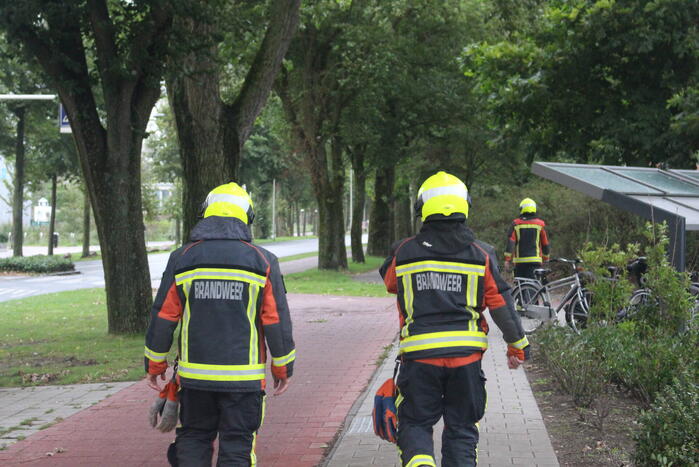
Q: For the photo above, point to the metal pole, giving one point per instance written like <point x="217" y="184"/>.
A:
<point x="27" y="97"/>
<point x="274" y="208"/>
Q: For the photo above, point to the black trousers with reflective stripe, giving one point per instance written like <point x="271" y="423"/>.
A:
<point x="431" y="392"/>
<point x="233" y="416"/>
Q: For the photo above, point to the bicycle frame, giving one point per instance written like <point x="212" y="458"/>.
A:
<point x="546" y="312"/>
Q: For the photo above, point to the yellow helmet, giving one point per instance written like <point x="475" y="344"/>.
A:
<point x="444" y="194"/>
<point x="229" y="200"/>
<point x="527" y="206"/>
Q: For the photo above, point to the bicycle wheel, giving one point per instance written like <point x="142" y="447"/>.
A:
<point x="639" y="299"/>
<point x="578" y="311"/>
<point x="526" y="294"/>
<point x="523" y="294"/>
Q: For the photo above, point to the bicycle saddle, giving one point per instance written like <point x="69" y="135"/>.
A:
<point x="541" y="273"/>
<point x="612" y="270"/>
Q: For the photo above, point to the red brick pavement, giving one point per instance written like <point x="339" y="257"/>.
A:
<point x="338" y="340"/>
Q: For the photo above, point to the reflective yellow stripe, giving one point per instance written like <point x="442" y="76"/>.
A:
<point x="408" y="300"/>
<point x="221" y="372"/>
<point x="520" y="344"/>
<point x="220" y="274"/>
<point x="472" y="292"/>
<point x="421" y="459"/>
<point x="440" y="340"/>
<point x="528" y="259"/>
<point x="399" y="399"/>
<point x="286" y="359"/>
<point x="184" y="341"/>
<point x="253" y="456"/>
<point x="440" y="266"/>
<point x="155" y="356"/>
<point x="252" y="315"/>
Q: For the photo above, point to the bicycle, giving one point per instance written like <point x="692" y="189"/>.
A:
<point x="643" y="297"/>
<point x="532" y="297"/>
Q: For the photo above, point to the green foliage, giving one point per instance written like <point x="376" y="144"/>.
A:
<point x="572" y="219"/>
<point x="591" y="80"/>
<point x="669" y="434"/>
<point x="672" y="302"/>
<point x="36" y="264"/>
<point x="609" y="296"/>
<point x="575" y="364"/>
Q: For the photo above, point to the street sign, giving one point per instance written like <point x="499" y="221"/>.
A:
<point x="63" y="122"/>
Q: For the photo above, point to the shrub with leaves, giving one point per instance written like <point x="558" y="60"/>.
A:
<point x="609" y="295"/>
<point x="669" y="434"/>
<point x="36" y="264"/>
<point x="669" y="310"/>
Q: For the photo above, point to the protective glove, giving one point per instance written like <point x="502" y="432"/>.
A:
<point x="167" y="406"/>
<point x="521" y="354"/>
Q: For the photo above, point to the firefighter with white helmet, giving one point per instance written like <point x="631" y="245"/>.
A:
<point x="229" y="299"/>
<point x="445" y="279"/>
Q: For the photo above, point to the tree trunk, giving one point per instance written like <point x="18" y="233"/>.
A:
<point x="86" y="225"/>
<point x="380" y="230"/>
<point x="178" y="231"/>
<point x="18" y="194"/>
<point x="52" y="221"/>
<point x="332" y="253"/>
<point x="119" y="219"/>
<point x="403" y="217"/>
<point x="359" y="186"/>
<point x="198" y="110"/>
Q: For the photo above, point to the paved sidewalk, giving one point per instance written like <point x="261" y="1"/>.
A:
<point x="512" y="431"/>
<point x="338" y="339"/>
<point x="25" y="411"/>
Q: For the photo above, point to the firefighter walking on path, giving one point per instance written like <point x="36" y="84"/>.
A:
<point x="527" y="241"/>
<point x="229" y="298"/>
<point x="445" y="279"/>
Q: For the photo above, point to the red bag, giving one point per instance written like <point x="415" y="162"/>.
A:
<point x="385" y="414"/>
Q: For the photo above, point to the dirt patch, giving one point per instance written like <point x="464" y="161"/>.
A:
<point x="573" y="432"/>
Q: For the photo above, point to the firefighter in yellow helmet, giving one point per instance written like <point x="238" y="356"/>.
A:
<point x="445" y="279"/>
<point x="229" y="297"/>
<point x="527" y="242"/>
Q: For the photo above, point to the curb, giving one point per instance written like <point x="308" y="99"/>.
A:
<point x="357" y="404"/>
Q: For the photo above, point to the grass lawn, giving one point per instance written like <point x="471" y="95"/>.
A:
<point x="262" y="241"/>
<point x="335" y="282"/>
<point x="62" y="338"/>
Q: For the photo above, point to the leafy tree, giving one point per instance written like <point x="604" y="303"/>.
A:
<point x="591" y="81"/>
<point x="105" y="59"/>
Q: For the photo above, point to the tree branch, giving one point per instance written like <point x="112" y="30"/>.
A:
<point x="284" y="17"/>
<point x="104" y="34"/>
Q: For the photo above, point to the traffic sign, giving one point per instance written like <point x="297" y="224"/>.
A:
<point x="63" y="122"/>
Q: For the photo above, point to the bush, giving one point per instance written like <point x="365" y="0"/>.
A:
<point x="36" y="264"/>
<point x="669" y="434"/>
<point x="574" y="362"/>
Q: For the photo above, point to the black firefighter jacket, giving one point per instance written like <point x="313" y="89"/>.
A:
<point x="445" y="279"/>
<point x="229" y="297"/>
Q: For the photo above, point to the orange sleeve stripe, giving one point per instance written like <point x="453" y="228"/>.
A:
<point x="279" y="372"/>
<point x="269" y="314"/>
<point x="492" y="297"/>
<point x="172" y="307"/>
<point x="390" y="278"/>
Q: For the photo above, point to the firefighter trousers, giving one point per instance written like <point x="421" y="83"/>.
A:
<point x="526" y="269"/>
<point x="234" y="416"/>
<point x="427" y="393"/>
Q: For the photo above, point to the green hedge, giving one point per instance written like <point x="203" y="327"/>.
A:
<point x="669" y="434"/>
<point x="36" y="264"/>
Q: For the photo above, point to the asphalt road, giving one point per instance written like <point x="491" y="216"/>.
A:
<point x="90" y="273"/>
